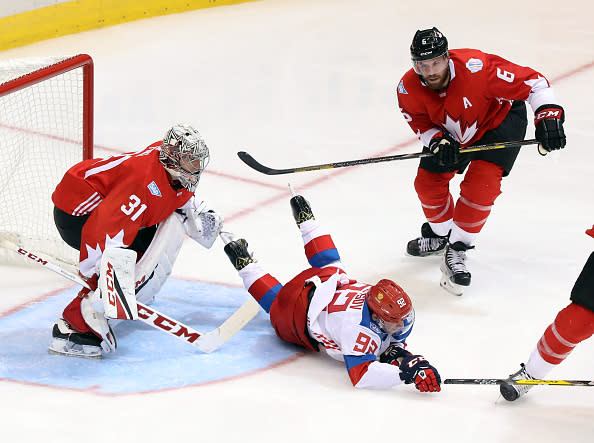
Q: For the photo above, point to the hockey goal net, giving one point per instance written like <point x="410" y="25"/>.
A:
<point x="46" y="126"/>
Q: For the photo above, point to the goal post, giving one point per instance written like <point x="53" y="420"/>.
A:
<point x="46" y="126"/>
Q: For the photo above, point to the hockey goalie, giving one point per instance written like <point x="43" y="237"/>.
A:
<point x="128" y="215"/>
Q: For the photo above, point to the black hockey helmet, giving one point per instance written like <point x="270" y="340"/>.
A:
<point x="428" y="44"/>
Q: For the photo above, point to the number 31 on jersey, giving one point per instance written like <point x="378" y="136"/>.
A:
<point x="134" y="207"/>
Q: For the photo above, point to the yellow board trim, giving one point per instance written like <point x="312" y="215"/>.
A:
<point x="83" y="15"/>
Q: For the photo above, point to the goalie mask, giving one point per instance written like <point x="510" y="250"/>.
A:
<point x="184" y="155"/>
<point x="392" y="307"/>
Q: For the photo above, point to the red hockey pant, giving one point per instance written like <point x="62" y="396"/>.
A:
<point x="478" y="191"/>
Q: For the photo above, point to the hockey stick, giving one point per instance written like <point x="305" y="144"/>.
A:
<point x="499" y="381"/>
<point x="207" y="342"/>
<point x="254" y="164"/>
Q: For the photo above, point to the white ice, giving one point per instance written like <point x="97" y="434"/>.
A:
<point x="300" y="82"/>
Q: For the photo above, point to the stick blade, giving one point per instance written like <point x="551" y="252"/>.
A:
<point x="213" y="340"/>
<point x="254" y="164"/>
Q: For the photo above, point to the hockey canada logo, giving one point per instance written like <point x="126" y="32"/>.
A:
<point x="154" y="189"/>
<point x="401" y="89"/>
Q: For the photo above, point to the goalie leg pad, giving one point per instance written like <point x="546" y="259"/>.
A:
<point x="155" y="266"/>
<point x="117" y="285"/>
<point x="97" y="322"/>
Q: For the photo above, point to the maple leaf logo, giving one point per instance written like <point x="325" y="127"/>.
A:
<point x="90" y="265"/>
<point x="454" y="128"/>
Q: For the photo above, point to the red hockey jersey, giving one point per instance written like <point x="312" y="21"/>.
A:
<point x="478" y="98"/>
<point x="122" y="194"/>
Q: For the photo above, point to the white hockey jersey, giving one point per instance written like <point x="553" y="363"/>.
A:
<point x="338" y="316"/>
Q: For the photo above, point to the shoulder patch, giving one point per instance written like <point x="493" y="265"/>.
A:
<point x="474" y="65"/>
<point x="401" y="89"/>
<point x="154" y="189"/>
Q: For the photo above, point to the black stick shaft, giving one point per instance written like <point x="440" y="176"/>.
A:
<point x="254" y="164"/>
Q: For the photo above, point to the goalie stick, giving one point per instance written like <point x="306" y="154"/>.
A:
<point x="500" y="381"/>
<point x="205" y="342"/>
<point x="254" y="164"/>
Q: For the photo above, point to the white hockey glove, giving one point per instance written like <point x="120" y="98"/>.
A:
<point x="114" y="296"/>
<point x="116" y="283"/>
<point x="202" y="225"/>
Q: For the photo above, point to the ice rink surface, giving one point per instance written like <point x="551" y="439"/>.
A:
<point x="300" y="82"/>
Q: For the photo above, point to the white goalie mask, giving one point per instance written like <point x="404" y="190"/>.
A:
<point x="184" y="155"/>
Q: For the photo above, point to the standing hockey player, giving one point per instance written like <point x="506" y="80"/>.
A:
<point x="139" y="201"/>
<point x="461" y="98"/>
<point x="364" y="325"/>
<point x="573" y="324"/>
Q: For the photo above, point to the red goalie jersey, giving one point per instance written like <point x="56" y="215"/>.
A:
<point x="134" y="192"/>
<point x="481" y="90"/>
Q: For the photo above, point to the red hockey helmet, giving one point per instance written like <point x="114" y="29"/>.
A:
<point x="390" y="303"/>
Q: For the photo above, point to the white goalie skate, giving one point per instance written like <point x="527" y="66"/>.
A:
<point x="67" y="341"/>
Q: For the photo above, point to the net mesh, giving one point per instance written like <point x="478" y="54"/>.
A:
<point x="41" y="136"/>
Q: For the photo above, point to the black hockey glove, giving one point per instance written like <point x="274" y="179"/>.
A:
<point x="415" y="369"/>
<point x="392" y="354"/>
<point x="548" y="121"/>
<point x="445" y="150"/>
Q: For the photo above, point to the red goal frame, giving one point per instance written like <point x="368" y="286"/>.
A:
<point x="82" y="60"/>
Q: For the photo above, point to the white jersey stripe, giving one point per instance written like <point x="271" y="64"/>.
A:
<point x="83" y="208"/>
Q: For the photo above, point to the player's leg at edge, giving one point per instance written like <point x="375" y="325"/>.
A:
<point x="572" y="325"/>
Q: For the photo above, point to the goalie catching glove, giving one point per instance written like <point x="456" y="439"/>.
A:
<point x="202" y="224"/>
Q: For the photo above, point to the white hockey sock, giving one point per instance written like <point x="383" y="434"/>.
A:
<point x="536" y="366"/>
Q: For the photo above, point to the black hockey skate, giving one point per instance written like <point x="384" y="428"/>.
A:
<point x="301" y="209"/>
<point x="429" y="243"/>
<point x="511" y="391"/>
<point x="237" y="252"/>
<point x="68" y="341"/>
<point x="455" y="277"/>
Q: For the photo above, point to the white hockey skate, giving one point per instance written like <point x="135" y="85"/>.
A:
<point x="454" y="275"/>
